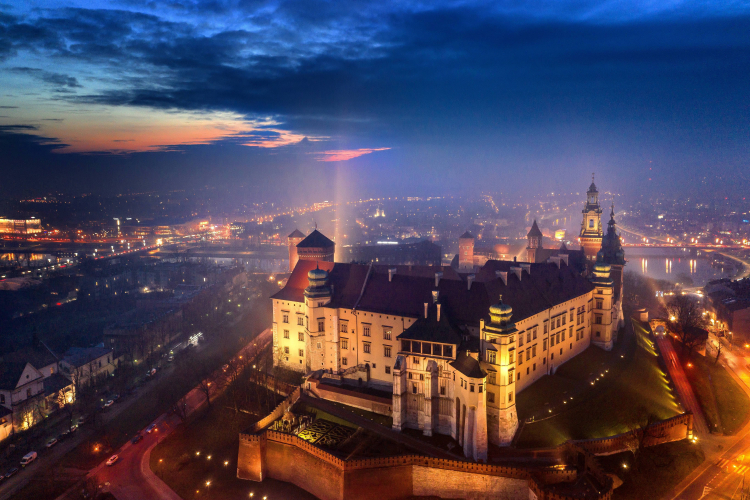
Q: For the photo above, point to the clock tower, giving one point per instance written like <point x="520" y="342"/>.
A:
<point x="591" y="227"/>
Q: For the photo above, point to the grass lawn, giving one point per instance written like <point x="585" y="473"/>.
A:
<point x="722" y="400"/>
<point x="634" y="385"/>
<point x="182" y="459"/>
<point x="660" y="469"/>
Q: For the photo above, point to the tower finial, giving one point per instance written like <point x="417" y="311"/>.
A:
<point x="501" y="298"/>
<point x="592" y="176"/>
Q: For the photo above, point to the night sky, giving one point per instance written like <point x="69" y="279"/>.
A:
<point x="401" y="97"/>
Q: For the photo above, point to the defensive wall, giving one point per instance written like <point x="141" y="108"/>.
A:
<point x="286" y="457"/>
<point x="363" y="401"/>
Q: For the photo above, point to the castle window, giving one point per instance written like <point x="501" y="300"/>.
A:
<point x="558" y="322"/>
<point x="301" y="353"/>
<point x="437" y="350"/>
<point x="409" y="374"/>
<point x="528" y="337"/>
<point x="491" y="357"/>
<point x="343" y="361"/>
<point x="405" y="345"/>
<point x="519" y="376"/>
<point x="285" y="318"/>
<point x="533" y="350"/>
<point x="528" y="354"/>
<point x="300" y="336"/>
<point x="546" y="329"/>
<point x="319" y="345"/>
<point x="591" y="223"/>
<point x="520" y="358"/>
<point x="510" y="397"/>
<point x="562" y="333"/>
<point x="534" y="333"/>
<point x="421" y="376"/>
<point x="491" y="378"/>
<point x="527" y="370"/>
<point x="415" y="360"/>
<point x="387" y="351"/>
<point x="563" y="320"/>
<point x="510" y="376"/>
<point x="387" y="333"/>
<point x="490" y="397"/>
<point x="414" y="388"/>
<point x="344" y="344"/>
<point x="520" y="340"/>
<point x="471" y="387"/>
<point x="544" y="345"/>
<point x="598" y="334"/>
<point x="426" y="348"/>
<point x="366" y="330"/>
<point x="511" y="355"/>
<point x="2" y="399"/>
<point x="343" y="328"/>
<point x="286" y="350"/>
<point x="598" y="321"/>
<point x="286" y="334"/>
<point x="442" y="388"/>
<point x="300" y="321"/>
<point x="366" y="347"/>
<point x="321" y="325"/>
<point x="552" y="341"/>
<point x="448" y="351"/>
<point x="599" y="304"/>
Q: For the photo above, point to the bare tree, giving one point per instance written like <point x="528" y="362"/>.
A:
<point x="719" y="347"/>
<point x="182" y="409"/>
<point x="643" y="432"/>
<point x="686" y="320"/>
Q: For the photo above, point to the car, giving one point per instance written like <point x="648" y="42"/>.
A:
<point x="225" y="367"/>
<point x="64" y="435"/>
<point x="11" y="472"/>
<point x="115" y="397"/>
<point x="28" y="458"/>
<point x="81" y="421"/>
<point x="136" y="438"/>
<point x="74" y="428"/>
<point x="151" y="428"/>
<point x="112" y="460"/>
<point x="51" y="442"/>
<point x="108" y="403"/>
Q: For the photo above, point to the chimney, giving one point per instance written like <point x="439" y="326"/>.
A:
<point x="438" y="314"/>
<point x="425" y="309"/>
<point x="503" y="275"/>
<point x="515" y="258"/>
<point x="469" y="280"/>
<point x="391" y="272"/>
<point x="435" y="296"/>
<point x="438" y="275"/>
<point x="518" y="271"/>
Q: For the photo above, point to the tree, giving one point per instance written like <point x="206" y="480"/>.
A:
<point x="686" y="320"/>
<point x="182" y="409"/>
<point x="719" y="347"/>
<point x="642" y="431"/>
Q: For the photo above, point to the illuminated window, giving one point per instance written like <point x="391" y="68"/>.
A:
<point x="300" y="321"/>
<point x="286" y="350"/>
<point x="343" y="361"/>
<point x="300" y="336"/>
<point x="491" y="357"/>
<point x="321" y="325"/>
<point x="387" y="333"/>
<point x="285" y="318"/>
<point x="286" y="334"/>
<point x="387" y="351"/>
<point x="344" y="344"/>
<point x="366" y="347"/>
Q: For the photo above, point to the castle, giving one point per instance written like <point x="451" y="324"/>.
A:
<point x="452" y="345"/>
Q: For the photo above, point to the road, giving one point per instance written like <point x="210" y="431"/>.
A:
<point x="682" y="384"/>
<point x="131" y="477"/>
<point x="721" y="476"/>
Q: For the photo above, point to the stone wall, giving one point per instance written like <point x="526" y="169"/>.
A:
<point x="286" y="457"/>
<point x="673" y="429"/>
<point x="367" y="402"/>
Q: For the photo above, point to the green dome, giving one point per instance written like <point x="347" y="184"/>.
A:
<point x="317" y="275"/>
<point x="500" y="313"/>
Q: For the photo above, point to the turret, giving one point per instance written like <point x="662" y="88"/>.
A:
<point x="535" y="242"/>
<point x="466" y="252"/>
<point x="591" y="230"/>
<point x="498" y="345"/>
<point x="292" y="241"/>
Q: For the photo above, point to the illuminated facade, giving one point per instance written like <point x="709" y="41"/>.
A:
<point x="20" y="226"/>
<point x="591" y="227"/>
<point x="452" y="355"/>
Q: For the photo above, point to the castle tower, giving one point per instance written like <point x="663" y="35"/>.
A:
<point x="498" y="340"/>
<point x="317" y="296"/>
<point x="591" y="227"/>
<point x="612" y="253"/>
<point x="293" y="240"/>
<point x="316" y="246"/>
<point x="466" y="252"/>
<point x="535" y="242"/>
<point x="603" y="333"/>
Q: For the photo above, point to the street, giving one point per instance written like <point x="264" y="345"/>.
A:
<point x="131" y="478"/>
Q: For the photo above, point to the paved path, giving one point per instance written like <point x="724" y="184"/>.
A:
<point x="131" y="477"/>
<point x="682" y="384"/>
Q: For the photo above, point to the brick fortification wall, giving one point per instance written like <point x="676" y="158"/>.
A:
<point x="288" y="458"/>
<point x="673" y="429"/>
